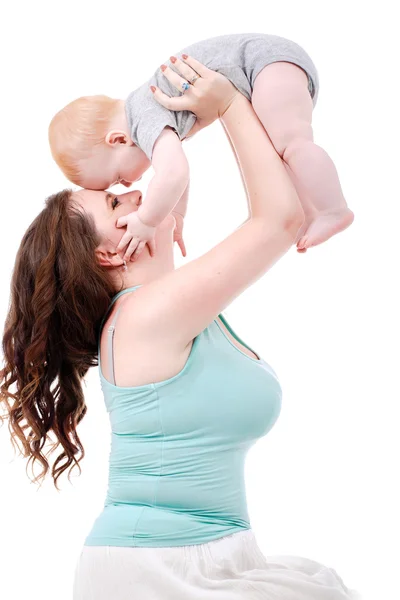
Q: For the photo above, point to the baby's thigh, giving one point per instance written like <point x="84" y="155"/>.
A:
<point x="283" y="103"/>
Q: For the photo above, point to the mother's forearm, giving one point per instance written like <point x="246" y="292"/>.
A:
<point x="270" y="192"/>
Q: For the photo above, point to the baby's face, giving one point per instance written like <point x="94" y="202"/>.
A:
<point x="111" y="165"/>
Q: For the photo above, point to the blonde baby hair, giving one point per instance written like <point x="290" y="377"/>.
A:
<point x="76" y="129"/>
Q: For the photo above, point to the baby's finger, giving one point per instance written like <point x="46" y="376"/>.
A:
<point x="196" y="66"/>
<point x="152" y="247"/>
<point x="124" y="241"/>
<point x="175" y="103"/>
<point x="184" y="69"/>
<point x="122" y="221"/>
<point x="138" y="250"/>
<point x="177" y="81"/>
<point x="181" y="245"/>
<point x="131" y="248"/>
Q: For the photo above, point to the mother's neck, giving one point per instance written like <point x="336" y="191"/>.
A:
<point x="146" y="269"/>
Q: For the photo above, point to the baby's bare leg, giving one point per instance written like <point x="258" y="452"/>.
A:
<point x="309" y="210"/>
<point x="284" y="106"/>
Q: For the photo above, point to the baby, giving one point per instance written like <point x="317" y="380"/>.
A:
<point x="98" y="141"/>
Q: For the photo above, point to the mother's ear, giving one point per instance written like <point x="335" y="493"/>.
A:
<point x="109" y="259"/>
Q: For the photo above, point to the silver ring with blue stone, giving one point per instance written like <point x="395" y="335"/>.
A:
<point x="185" y="86"/>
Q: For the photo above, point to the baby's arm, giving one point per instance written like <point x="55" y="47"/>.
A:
<point x="170" y="180"/>
<point x="165" y="190"/>
<point x="181" y="206"/>
<point x="179" y="213"/>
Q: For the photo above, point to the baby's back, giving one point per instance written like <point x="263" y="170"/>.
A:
<point x="240" y="57"/>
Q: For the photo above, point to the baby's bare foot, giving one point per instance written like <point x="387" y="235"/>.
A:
<point x="324" y="226"/>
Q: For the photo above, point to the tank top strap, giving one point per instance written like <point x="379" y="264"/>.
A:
<point x="128" y="289"/>
<point x="111" y="330"/>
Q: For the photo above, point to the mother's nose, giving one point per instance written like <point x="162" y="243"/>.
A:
<point x="132" y="196"/>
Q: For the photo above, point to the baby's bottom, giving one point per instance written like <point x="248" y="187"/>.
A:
<point x="283" y="104"/>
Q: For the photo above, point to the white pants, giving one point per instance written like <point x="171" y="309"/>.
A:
<point x="230" y="568"/>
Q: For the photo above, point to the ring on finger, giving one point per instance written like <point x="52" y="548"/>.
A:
<point x="194" y="78"/>
<point x="185" y="86"/>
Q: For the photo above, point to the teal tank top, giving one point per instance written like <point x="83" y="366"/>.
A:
<point x="178" y="446"/>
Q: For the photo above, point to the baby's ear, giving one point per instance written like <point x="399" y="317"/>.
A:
<point x="115" y="137"/>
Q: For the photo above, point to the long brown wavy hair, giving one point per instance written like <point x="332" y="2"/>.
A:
<point x="59" y="296"/>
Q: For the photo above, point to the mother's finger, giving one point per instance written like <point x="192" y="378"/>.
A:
<point x="174" y="103"/>
<point x="197" y="66"/>
<point x="185" y="70"/>
<point x="176" y="80"/>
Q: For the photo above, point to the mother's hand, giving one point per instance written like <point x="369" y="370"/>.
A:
<point x="210" y="95"/>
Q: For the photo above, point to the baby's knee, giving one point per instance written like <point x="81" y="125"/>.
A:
<point x="295" y="145"/>
<point x="285" y="133"/>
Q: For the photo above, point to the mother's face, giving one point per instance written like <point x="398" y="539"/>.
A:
<point x="106" y="208"/>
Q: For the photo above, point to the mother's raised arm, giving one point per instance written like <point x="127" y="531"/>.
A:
<point x="181" y="303"/>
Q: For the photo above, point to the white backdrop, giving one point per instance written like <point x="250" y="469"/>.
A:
<point x="322" y="484"/>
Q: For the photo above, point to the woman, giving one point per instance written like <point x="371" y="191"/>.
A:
<point x="187" y="398"/>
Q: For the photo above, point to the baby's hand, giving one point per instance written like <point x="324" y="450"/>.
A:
<point x="178" y="232"/>
<point x="137" y="235"/>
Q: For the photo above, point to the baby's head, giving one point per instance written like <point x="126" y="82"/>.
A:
<point x="89" y="140"/>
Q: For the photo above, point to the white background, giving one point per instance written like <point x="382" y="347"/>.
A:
<point x="322" y="483"/>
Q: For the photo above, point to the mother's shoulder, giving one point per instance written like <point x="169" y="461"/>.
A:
<point x="146" y="309"/>
<point x="157" y="352"/>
